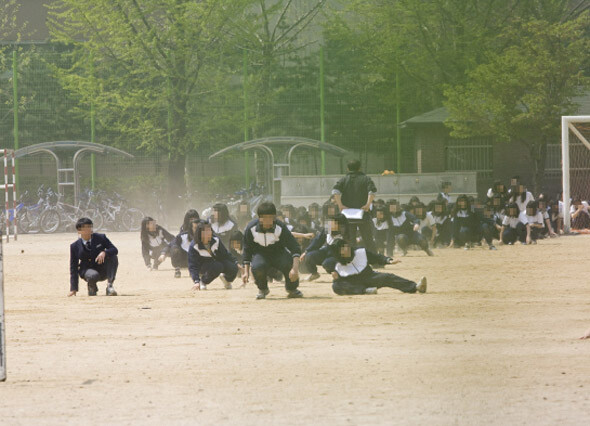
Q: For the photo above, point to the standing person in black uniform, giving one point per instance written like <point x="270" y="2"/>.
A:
<point x="268" y="243"/>
<point x="357" y="191"/>
<point x="93" y="258"/>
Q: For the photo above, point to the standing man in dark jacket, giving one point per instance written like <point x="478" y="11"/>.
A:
<point x="357" y="191"/>
<point x="93" y="258"/>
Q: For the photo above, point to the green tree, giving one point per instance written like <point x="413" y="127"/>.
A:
<point x="521" y="92"/>
<point x="144" y="65"/>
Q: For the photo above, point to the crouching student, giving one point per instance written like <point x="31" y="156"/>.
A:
<point x="178" y="248"/>
<point x="155" y="243"/>
<point x="319" y="252"/>
<point x="268" y="243"/>
<point x="353" y="274"/>
<point x="513" y="229"/>
<point x="93" y="258"/>
<point x="534" y="223"/>
<point x="208" y="258"/>
<point x="404" y="229"/>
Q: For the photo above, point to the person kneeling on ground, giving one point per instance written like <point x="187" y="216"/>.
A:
<point x="208" y="258"/>
<point x="93" y="258"/>
<point x="268" y="243"/>
<point x="353" y="274"/>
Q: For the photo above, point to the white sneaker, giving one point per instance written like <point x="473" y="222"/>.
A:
<point x="421" y="287"/>
<point x="226" y="283"/>
<point x="371" y="290"/>
<point x="203" y="286"/>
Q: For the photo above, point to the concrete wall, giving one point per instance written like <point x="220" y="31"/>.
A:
<point x="304" y="190"/>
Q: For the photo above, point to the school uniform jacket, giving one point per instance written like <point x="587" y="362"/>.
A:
<point x="199" y="256"/>
<point x="160" y="241"/>
<point x="322" y="239"/>
<point x="360" y="265"/>
<point x="82" y="259"/>
<point x="181" y="241"/>
<point x="404" y="223"/>
<point x="269" y="242"/>
<point x="224" y="231"/>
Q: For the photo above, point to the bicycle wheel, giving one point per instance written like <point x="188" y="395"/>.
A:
<point x="50" y="221"/>
<point x="23" y="221"/>
<point x="96" y="217"/>
<point x="131" y="219"/>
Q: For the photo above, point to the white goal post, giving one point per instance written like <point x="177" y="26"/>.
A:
<point x="567" y="124"/>
<point x="2" y="328"/>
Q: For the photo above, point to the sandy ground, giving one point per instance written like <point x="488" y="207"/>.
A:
<point x="494" y="341"/>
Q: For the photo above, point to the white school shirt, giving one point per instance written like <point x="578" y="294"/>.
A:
<point x="156" y="241"/>
<point x="522" y="204"/>
<point x="511" y="221"/>
<point x="560" y="213"/>
<point x="428" y="221"/>
<point x="584" y="208"/>
<point x="538" y="218"/>
<point x="380" y="226"/>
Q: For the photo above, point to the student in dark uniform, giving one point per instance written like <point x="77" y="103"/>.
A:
<point x="404" y="229"/>
<point x="381" y="228"/>
<point x="465" y="225"/>
<point x="222" y="224"/>
<point x="490" y="224"/>
<point x="512" y="228"/>
<point x="318" y="252"/>
<point x="268" y="243"/>
<point x="357" y="191"/>
<point x="179" y="246"/>
<point x="243" y="215"/>
<point x="155" y="242"/>
<point x="208" y="259"/>
<point x="93" y="258"/>
<point x="353" y="274"/>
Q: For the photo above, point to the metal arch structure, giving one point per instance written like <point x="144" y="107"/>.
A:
<point x="281" y="168"/>
<point x="68" y="176"/>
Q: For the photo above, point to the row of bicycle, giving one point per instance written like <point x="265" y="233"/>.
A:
<point x="51" y="214"/>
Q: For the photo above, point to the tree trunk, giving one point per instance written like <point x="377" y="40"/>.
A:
<point x="539" y="156"/>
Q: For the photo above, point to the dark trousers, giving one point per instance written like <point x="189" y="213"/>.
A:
<point x="211" y="270"/>
<point x="381" y="240"/>
<point x="413" y="237"/>
<point x="511" y="235"/>
<point x="365" y="227"/>
<point x="489" y="232"/>
<point x="358" y="285"/>
<point x="106" y="271"/>
<point x="443" y="233"/>
<point x="315" y="258"/>
<point x="463" y="235"/>
<point x="179" y="257"/>
<point x="282" y="261"/>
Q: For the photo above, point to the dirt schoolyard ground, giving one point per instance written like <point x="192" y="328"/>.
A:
<point x="494" y="341"/>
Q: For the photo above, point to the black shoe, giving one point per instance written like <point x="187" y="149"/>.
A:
<point x="262" y="294"/>
<point x="92" y="289"/>
<point x="177" y="273"/>
<point x="294" y="294"/>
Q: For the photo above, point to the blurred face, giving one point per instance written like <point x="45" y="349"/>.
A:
<point x="345" y="251"/>
<point x="85" y="231"/>
<point x="497" y="202"/>
<point x="555" y="208"/>
<point x="215" y="216"/>
<point x="487" y="212"/>
<point x="393" y="208"/>
<point x="267" y="221"/>
<point x="243" y="208"/>
<point x="333" y="226"/>
<point x="447" y="188"/>
<point x="419" y="211"/>
<point x="194" y="227"/>
<point x="379" y="215"/>
<point x="151" y="226"/>
<point x="513" y="182"/>
<point x="530" y="211"/>
<point x="520" y="189"/>
<point x="236" y="245"/>
<point x="314" y="213"/>
<point x="438" y="208"/>
<point x="500" y="188"/>
<point x="512" y="212"/>
<point x="331" y="211"/>
<point x="206" y="235"/>
<point x="286" y="213"/>
<point x="542" y="205"/>
<point x="462" y="204"/>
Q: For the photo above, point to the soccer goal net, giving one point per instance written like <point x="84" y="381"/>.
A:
<point x="575" y="155"/>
